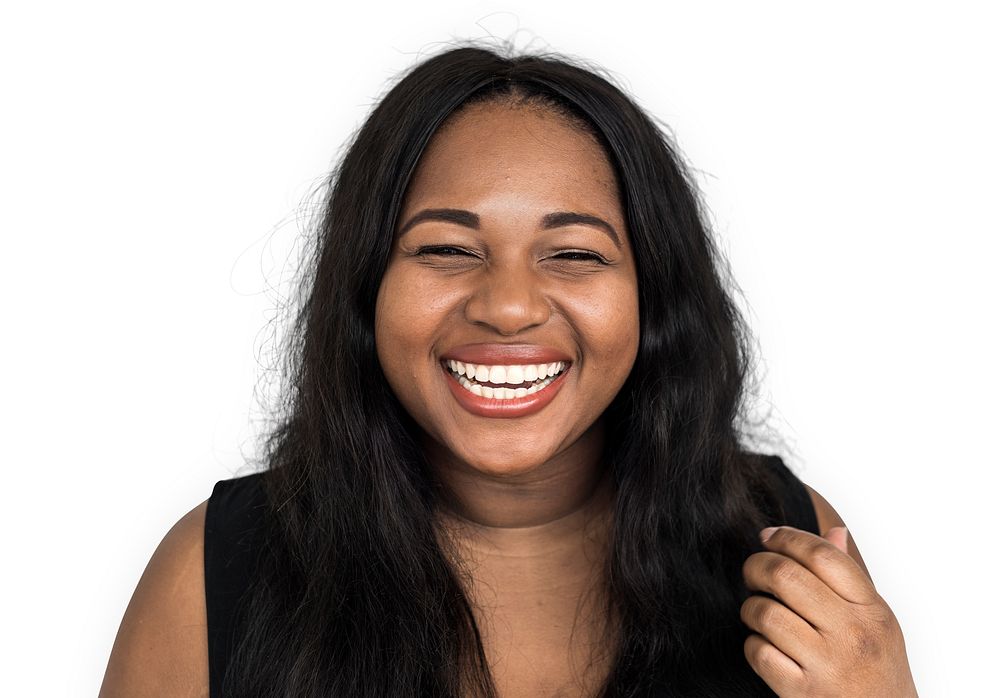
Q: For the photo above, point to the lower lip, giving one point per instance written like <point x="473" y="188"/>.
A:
<point x="504" y="409"/>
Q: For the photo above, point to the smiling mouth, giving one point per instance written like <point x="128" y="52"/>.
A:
<point x="505" y="382"/>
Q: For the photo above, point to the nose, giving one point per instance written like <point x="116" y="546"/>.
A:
<point x="507" y="300"/>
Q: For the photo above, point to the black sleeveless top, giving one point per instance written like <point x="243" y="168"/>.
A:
<point x="233" y="534"/>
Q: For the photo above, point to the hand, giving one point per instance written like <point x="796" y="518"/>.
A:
<point x="828" y="632"/>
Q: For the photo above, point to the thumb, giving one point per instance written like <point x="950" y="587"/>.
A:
<point x="838" y="536"/>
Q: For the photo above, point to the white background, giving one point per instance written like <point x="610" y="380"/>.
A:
<point x="153" y="159"/>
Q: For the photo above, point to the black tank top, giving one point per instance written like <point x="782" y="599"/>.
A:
<point x="233" y="534"/>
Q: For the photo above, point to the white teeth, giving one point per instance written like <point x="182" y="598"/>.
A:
<point x="502" y="393"/>
<point x="512" y="375"/>
<point x="498" y="374"/>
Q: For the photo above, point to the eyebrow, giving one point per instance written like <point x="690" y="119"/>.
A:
<point x="468" y="219"/>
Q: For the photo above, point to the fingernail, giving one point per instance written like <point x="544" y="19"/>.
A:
<point x="767" y="532"/>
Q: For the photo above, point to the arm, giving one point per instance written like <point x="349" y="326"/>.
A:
<point x="162" y="643"/>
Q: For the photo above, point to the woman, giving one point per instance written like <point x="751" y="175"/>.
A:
<point x="510" y="463"/>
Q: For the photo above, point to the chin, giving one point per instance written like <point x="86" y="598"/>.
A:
<point x="505" y="464"/>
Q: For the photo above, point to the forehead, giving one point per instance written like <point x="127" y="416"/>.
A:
<point x="530" y="152"/>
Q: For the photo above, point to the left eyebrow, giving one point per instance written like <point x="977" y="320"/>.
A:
<point x="561" y="218"/>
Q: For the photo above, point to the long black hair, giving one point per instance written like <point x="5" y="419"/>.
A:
<point x="355" y="595"/>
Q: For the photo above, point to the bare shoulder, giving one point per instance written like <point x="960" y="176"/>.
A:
<point x="828" y="517"/>
<point x="162" y="643"/>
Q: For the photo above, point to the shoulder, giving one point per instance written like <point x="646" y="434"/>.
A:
<point x="828" y="517"/>
<point x="162" y="644"/>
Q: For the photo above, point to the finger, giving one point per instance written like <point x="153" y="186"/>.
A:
<point x="782" y="627"/>
<point x="821" y="557"/>
<point x="778" y="670"/>
<point x="795" y="586"/>
<point x="838" y="536"/>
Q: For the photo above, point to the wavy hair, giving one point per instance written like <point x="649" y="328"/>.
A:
<point x="355" y="595"/>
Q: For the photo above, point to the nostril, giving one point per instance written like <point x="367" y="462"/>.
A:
<point x="508" y="319"/>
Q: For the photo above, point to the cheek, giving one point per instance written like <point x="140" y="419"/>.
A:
<point x="608" y="322"/>
<point x="405" y="331"/>
<point x="419" y="298"/>
<point x="406" y="318"/>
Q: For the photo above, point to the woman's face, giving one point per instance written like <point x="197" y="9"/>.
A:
<point x="490" y="269"/>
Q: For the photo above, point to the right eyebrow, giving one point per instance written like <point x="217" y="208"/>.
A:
<point x="448" y="215"/>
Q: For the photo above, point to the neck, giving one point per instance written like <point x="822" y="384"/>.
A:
<point x="553" y="507"/>
<point x="531" y="550"/>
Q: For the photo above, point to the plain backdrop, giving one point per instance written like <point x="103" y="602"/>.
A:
<point x="153" y="163"/>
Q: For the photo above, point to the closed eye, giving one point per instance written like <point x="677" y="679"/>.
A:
<point x="443" y="251"/>
<point x="581" y="256"/>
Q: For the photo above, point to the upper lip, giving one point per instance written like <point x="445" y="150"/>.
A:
<point x="494" y="354"/>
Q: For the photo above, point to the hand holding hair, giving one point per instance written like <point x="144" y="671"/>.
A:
<point x="820" y="628"/>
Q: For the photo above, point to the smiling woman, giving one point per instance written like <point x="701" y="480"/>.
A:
<point x="540" y="276"/>
<point x="511" y="462"/>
